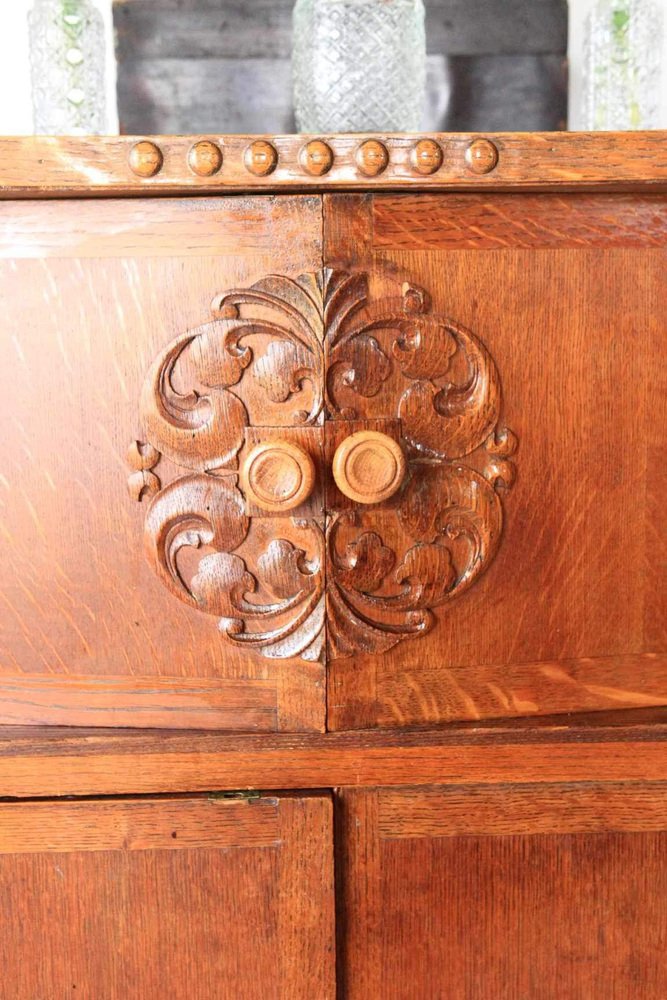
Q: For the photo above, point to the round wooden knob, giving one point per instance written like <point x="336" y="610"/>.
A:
<point x="369" y="466"/>
<point x="277" y="475"/>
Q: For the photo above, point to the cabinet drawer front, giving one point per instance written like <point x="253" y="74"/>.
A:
<point x="94" y="294"/>
<point x="537" y="891"/>
<point x="185" y="897"/>
<point x="558" y="417"/>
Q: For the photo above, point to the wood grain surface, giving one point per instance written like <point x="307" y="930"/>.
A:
<point x="136" y="308"/>
<point x="184" y="227"/>
<point x="538" y="222"/>
<point x="523" y="808"/>
<point x="559" y="161"/>
<point x="132" y="899"/>
<point x="464" y="894"/>
<point x="88" y="633"/>
<point x="570" y="611"/>
<point x="622" y="746"/>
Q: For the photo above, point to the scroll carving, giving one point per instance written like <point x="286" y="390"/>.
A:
<point x="321" y="348"/>
<point x="389" y="568"/>
<point x="194" y="412"/>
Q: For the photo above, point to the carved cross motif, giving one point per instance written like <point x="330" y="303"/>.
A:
<point x="319" y="352"/>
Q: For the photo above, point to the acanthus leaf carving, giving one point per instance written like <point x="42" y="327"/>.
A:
<point x="282" y="370"/>
<point x="449" y="415"/>
<point x="196" y="428"/>
<point x="449" y="421"/>
<point x="386" y="569"/>
<point x="192" y="410"/>
<point x="206" y="513"/>
<point x="363" y="367"/>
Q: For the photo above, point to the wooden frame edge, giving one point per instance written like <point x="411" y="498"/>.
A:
<point x="51" y="167"/>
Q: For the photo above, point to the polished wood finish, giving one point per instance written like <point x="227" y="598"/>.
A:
<point x="448" y="591"/>
<point x="94" y="293"/>
<point x="526" y="161"/>
<point x="277" y="475"/>
<point x="260" y="158"/>
<point x="316" y="157"/>
<point x="213" y="228"/>
<point x="386" y="347"/>
<point x="501" y="221"/>
<point x="210" y="369"/>
<point x="369" y="467"/>
<point x="145" y="159"/>
<point x="568" y="614"/>
<point x="205" y="158"/>
<point x="426" y="156"/>
<point x="621" y="746"/>
<point x="129" y="899"/>
<point x="481" y="156"/>
<point x="372" y="157"/>
<point x="469" y="893"/>
<point x="261" y="359"/>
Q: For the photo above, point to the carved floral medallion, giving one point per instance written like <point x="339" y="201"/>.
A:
<point x="320" y="356"/>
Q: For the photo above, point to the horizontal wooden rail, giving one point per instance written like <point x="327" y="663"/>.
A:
<point x="45" y="166"/>
<point x="619" y="746"/>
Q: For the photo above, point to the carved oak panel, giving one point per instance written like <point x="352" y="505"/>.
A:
<point x="325" y="357"/>
<point x="192" y="415"/>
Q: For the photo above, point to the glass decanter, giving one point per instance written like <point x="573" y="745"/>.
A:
<point x="622" y="65"/>
<point x="359" y="65"/>
<point x="67" y="56"/>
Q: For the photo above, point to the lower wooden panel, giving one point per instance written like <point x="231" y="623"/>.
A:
<point x="468" y="893"/>
<point x="179" y="898"/>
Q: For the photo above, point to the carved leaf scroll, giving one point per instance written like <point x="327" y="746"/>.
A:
<point x="443" y="529"/>
<point x="387" y="567"/>
<point x="193" y="411"/>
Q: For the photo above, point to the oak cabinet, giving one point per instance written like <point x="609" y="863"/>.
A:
<point x="399" y="444"/>
<point x="350" y="484"/>
<point x="130" y="899"/>
<point x="549" y="892"/>
<point x="96" y="295"/>
<point x="533" y="464"/>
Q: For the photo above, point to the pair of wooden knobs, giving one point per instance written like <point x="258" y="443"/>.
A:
<point x="368" y="467"/>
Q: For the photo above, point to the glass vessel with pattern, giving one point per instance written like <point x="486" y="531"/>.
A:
<point x="67" y="54"/>
<point x="622" y="65"/>
<point x="359" y="65"/>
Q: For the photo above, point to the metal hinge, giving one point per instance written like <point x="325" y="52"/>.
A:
<point x="248" y="794"/>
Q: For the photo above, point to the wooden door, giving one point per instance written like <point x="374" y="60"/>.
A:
<point x="147" y="351"/>
<point x="538" y="892"/>
<point x="513" y="345"/>
<point x="184" y="898"/>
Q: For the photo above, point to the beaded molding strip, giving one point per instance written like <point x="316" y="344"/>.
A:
<point x="42" y="166"/>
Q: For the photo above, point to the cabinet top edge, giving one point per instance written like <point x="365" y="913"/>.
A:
<point x="131" y="166"/>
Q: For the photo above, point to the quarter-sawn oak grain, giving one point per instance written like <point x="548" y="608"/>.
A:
<point x="38" y="167"/>
<point x="191" y="897"/>
<point x="550" y="893"/>
<point x="570" y="614"/>
<point x="620" y="746"/>
<point x="92" y="292"/>
<point x="556" y="299"/>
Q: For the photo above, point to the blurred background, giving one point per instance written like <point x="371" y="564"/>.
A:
<point x="215" y="66"/>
